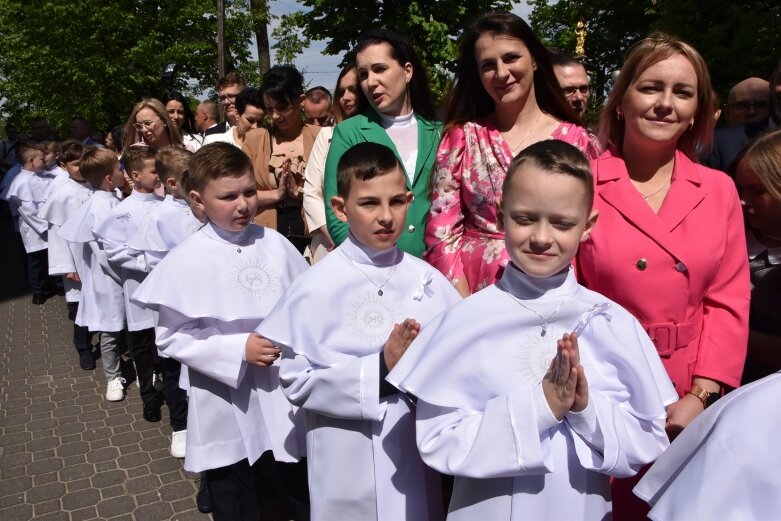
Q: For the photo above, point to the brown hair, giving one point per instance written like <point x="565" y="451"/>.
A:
<point x="554" y="157"/>
<point x="696" y="141"/>
<point x="232" y="78"/>
<point x="133" y="136"/>
<point x="71" y="151"/>
<point x="364" y="161"/>
<point x="96" y="164"/>
<point x="214" y="161"/>
<point x="336" y="109"/>
<point x="28" y="150"/>
<point x="763" y="156"/>
<point x="172" y="162"/>
<point x="468" y="99"/>
<point x="134" y="156"/>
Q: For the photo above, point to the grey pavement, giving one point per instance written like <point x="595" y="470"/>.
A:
<point x="65" y="452"/>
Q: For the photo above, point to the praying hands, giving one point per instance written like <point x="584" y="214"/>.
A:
<point x="565" y="385"/>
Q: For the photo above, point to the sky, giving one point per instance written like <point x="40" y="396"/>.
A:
<point x="319" y="69"/>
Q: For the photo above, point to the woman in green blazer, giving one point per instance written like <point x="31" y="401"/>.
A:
<point x="396" y="110"/>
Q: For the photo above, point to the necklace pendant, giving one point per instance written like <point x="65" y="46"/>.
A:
<point x="379" y="292"/>
<point x="544" y="330"/>
<point x="238" y="250"/>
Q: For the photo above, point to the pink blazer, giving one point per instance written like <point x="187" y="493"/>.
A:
<point x="682" y="272"/>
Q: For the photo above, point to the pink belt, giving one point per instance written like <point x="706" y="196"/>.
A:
<point x="671" y="336"/>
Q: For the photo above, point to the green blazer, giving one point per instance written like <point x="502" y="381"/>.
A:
<point x="367" y="127"/>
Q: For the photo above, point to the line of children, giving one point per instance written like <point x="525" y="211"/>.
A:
<point x="101" y="306"/>
<point x="61" y="203"/>
<point x="114" y="233"/>
<point x="26" y="194"/>
<point x="211" y="292"/>
<point x="164" y="227"/>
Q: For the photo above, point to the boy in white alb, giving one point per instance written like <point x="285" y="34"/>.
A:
<point x="165" y="226"/>
<point x="114" y="234"/>
<point x="26" y="194"/>
<point x="101" y="304"/>
<point x="532" y="427"/>
<point x="341" y="326"/>
<point x="60" y="205"/>
<point x="211" y="292"/>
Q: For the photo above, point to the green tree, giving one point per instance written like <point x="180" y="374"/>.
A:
<point x="738" y="39"/>
<point x="61" y="58"/>
<point x="432" y="27"/>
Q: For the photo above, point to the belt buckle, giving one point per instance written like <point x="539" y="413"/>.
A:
<point x="664" y="337"/>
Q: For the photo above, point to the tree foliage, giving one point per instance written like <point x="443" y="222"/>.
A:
<point x="738" y="39"/>
<point x="93" y="58"/>
<point x="431" y="26"/>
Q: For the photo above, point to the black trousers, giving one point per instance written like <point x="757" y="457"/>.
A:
<point x="141" y="345"/>
<point x="290" y="223"/>
<point x="38" y="272"/>
<point x="81" y="335"/>
<point x="175" y="397"/>
<point x="266" y="490"/>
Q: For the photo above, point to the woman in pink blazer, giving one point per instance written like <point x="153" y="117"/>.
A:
<point x="669" y="244"/>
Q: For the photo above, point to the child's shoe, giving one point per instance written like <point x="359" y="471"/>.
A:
<point x="86" y="360"/>
<point x="115" y="392"/>
<point x="179" y="443"/>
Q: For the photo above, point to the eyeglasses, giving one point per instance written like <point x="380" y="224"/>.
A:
<point x="569" y="91"/>
<point x="140" y="126"/>
<point x="224" y="97"/>
<point x="745" y="105"/>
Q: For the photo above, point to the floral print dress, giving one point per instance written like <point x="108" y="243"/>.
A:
<point x="462" y="237"/>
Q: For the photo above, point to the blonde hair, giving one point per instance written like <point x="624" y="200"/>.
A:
<point x="172" y="162"/>
<point x="657" y="47"/>
<point x="763" y="156"/>
<point x="97" y="163"/>
<point x="133" y="136"/>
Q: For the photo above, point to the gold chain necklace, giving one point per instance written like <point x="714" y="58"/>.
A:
<point x="515" y="148"/>
<point x="647" y="197"/>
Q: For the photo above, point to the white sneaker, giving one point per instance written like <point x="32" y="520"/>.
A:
<point x="179" y="443"/>
<point x="115" y="392"/>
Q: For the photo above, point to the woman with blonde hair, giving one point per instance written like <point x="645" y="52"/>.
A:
<point x="669" y="245"/>
<point x="150" y="124"/>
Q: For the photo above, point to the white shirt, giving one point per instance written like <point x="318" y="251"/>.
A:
<point x="27" y="193"/>
<point x="403" y="131"/>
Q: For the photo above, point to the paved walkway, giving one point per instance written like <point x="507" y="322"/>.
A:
<point x="65" y="452"/>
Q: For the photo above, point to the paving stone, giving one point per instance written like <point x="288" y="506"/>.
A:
<point x="72" y="449"/>
<point x="44" y="479"/>
<point x="116" y="506"/>
<point x="178" y="490"/>
<point x="40" y="494"/>
<point x="147" y="498"/>
<point x="183" y="505"/>
<point x="44" y="466"/>
<point x="154" y="512"/>
<point x="142" y="484"/>
<point x="9" y="461"/>
<point x="45" y="507"/>
<point x="44" y="424"/>
<point x="21" y="512"/>
<point x="96" y="434"/>
<point x="16" y="485"/>
<point x="80" y="498"/>
<point x="53" y="516"/>
<point x="83" y="514"/>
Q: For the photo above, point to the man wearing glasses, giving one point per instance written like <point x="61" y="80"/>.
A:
<point x="573" y="80"/>
<point x="228" y="88"/>
<point x="748" y="102"/>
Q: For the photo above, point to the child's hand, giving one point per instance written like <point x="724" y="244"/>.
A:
<point x="260" y="351"/>
<point x="560" y="381"/>
<point x="570" y="342"/>
<point x="73" y="276"/>
<point x="399" y="340"/>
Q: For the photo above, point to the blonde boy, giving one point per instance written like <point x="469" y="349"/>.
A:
<point x="101" y="305"/>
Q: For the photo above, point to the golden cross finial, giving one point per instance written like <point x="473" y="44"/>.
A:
<point x="581" y="32"/>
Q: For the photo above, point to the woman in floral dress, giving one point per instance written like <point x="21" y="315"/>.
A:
<point x="505" y="98"/>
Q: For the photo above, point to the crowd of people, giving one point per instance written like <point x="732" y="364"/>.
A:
<point x="359" y="305"/>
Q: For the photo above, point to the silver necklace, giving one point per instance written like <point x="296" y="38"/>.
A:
<point x="378" y="286"/>
<point x="647" y="197"/>
<point x="544" y="325"/>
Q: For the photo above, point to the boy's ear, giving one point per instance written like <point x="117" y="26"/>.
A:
<point x="409" y="196"/>
<point x="337" y="203"/>
<point x="197" y="201"/>
<point x="171" y="183"/>
<point x="592" y="221"/>
<point x="499" y="214"/>
<point x="301" y="100"/>
<point x="134" y="175"/>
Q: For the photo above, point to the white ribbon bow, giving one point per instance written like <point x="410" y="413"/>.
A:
<point x="424" y="286"/>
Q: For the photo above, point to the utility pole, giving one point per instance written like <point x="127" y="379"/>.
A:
<point x="221" y="38"/>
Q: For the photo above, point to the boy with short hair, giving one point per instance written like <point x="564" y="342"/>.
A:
<point x="362" y="459"/>
<point x="114" y="234"/>
<point x="211" y="291"/>
<point x="60" y="205"/>
<point x="26" y="194"/>
<point x="533" y="427"/>
<point x="101" y="305"/>
<point x="164" y="227"/>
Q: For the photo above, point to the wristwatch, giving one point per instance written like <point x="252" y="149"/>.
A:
<point x="707" y="398"/>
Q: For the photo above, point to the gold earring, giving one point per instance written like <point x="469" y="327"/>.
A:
<point x="691" y="125"/>
<point x="619" y="115"/>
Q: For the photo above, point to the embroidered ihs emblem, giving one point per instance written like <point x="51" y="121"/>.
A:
<point x="255" y="278"/>
<point x="371" y="318"/>
<point x="535" y="355"/>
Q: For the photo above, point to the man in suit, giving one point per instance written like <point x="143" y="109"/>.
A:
<point x="228" y="88"/>
<point x="207" y="115"/>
